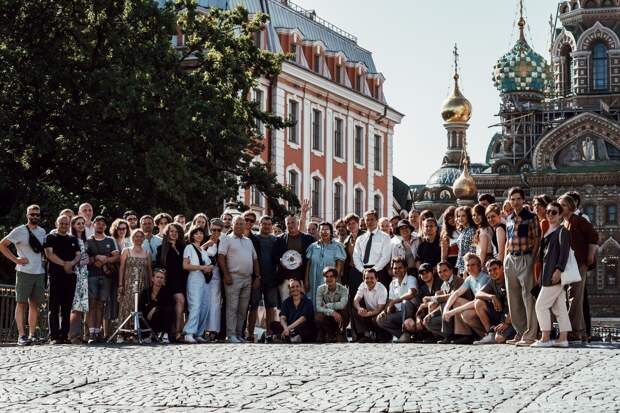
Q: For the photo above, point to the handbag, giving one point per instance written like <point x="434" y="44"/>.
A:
<point x="208" y="275"/>
<point x="34" y="242"/>
<point x="571" y="274"/>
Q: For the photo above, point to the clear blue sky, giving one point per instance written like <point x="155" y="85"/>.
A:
<point x="411" y="42"/>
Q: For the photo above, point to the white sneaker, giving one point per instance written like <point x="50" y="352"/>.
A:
<point x="542" y="344"/>
<point x="563" y="344"/>
<point x="488" y="339"/>
<point x="165" y="339"/>
<point x="189" y="339"/>
<point x="296" y="339"/>
<point x="200" y="340"/>
<point x="146" y="340"/>
<point x="234" y="340"/>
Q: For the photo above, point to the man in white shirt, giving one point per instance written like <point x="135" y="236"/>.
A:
<point x="373" y="249"/>
<point x="403" y="290"/>
<point x="86" y="211"/>
<point x="368" y="303"/>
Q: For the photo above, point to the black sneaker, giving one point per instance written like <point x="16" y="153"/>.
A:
<point x="23" y="341"/>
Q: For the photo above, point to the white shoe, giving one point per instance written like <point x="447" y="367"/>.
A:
<point x="234" y="340"/>
<point x="563" y="344"/>
<point x="189" y="339"/>
<point x="488" y="339"/>
<point x="200" y="340"/>
<point x="165" y="339"/>
<point x="543" y="344"/>
<point x="296" y="339"/>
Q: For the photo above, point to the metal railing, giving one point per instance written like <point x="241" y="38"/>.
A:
<point x="8" y="328"/>
<point x="311" y="14"/>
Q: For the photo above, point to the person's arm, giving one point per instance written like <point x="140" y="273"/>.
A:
<point x="307" y="274"/>
<point x="303" y="215"/>
<point x="592" y="244"/>
<point x="453" y="298"/>
<point x="297" y="322"/>
<point x="445" y="245"/>
<point x="257" y="278"/>
<point x="221" y="260"/>
<point x="149" y="266"/>
<point x="283" y="323"/>
<point x="342" y="303"/>
<point x="121" y="272"/>
<point x="339" y="267"/>
<point x="357" y="255"/>
<point x="564" y="239"/>
<point x="534" y="227"/>
<point x="484" y="245"/>
<point x="4" y="249"/>
<point x="188" y="266"/>
<point x="318" y="300"/>
<point x="376" y="311"/>
<point x="501" y="242"/>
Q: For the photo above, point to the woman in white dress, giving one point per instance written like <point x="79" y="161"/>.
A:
<point x="214" y="318"/>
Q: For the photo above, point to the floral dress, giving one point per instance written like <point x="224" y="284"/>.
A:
<point x="466" y="239"/>
<point x="80" y="298"/>
<point x="135" y="269"/>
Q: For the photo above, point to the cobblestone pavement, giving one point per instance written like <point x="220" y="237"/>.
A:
<point x="332" y="378"/>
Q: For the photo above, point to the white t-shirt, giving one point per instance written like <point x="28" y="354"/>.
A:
<point x="190" y="252"/>
<point x="373" y="298"/>
<point x="19" y="237"/>
<point x="398" y="289"/>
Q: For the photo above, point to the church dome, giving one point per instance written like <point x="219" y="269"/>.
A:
<point x="456" y="108"/>
<point x="464" y="186"/>
<point x="444" y="176"/>
<point x="521" y="69"/>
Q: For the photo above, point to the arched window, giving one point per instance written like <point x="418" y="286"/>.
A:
<point x="378" y="203"/>
<point x="338" y="200"/>
<point x="567" y="70"/>
<point x="599" y="67"/>
<point x="612" y="214"/>
<point x="317" y="191"/>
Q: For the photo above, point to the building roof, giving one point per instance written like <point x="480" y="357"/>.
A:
<point x="312" y="28"/>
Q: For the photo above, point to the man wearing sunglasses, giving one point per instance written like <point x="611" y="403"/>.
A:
<point x="28" y="240"/>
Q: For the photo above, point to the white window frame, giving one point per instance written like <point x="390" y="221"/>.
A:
<point x="314" y="109"/>
<point x="321" y="201"/>
<point x="343" y="138"/>
<point x="363" y="141"/>
<point x="294" y="145"/>
<point x="379" y="171"/>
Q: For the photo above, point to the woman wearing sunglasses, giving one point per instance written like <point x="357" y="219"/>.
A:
<point x="555" y="249"/>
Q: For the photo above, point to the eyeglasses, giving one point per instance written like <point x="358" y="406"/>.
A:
<point x="34" y="215"/>
<point x="216" y="230"/>
<point x="552" y="212"/>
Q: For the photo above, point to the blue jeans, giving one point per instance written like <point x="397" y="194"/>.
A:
<point x="197" y="303"/>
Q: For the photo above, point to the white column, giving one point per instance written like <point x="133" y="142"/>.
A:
<point x="370" y="164"/>
<point x="277" y="135"/>
<point x="389" y="172"/>
<point x="306" y="144"/>
<point x="329" y="163"/>
<point x="350" y="131"/>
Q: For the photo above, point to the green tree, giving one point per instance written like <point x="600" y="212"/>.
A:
<point x="96" y="105"/>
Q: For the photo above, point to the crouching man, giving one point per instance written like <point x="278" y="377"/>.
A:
<point x="400" y="306"/>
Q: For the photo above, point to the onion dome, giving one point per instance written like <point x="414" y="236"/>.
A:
<point x="456" y="108"/>
<point x="465" y="187"/>
<point x="521" y="69"/>
<point x="444" y="176"/>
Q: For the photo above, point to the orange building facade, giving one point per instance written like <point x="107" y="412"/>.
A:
<point x="338" y="155"/>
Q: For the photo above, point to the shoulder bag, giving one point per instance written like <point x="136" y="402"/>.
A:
<point x="571" y="274"/>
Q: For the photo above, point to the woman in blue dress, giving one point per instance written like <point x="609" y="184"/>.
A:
<point x="326" y="252"/>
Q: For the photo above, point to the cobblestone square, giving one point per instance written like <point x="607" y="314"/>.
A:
<point x="330" y="378"/>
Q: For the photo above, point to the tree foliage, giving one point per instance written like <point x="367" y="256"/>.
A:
<point x="95" y="105"/>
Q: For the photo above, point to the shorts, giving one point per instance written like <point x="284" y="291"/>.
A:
<point x="99" y="287"/>
<point x="496" y="317"/>
<point x="509" y="333"/>
<point x="269" y="295"/>
<point x="29" y="287"/>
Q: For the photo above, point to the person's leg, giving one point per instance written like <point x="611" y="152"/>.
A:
<point x="283" y="290"/>
<point x="20" y="315"/>
<point x="75" y="326"/>
<point x="471" y="319"/>
<point x="66" y="304"/>
<point x="194" y="301"/>
<point x="392" y="323"/>
<point x="23" y="294"/>
<point x="55" y="300"/>
<point x="482" y="309"/>
<point x="232" y="306"/>
<point x="270" y="296"/>
<point x="545" y="300"/>
<point x="93" y="293"/>
<point x="587" y="316"/>
<point x="460" y="326"/>
<point x="516" y="305"/>
<point x="179" y="312"/>
<point x="575" y="304"/>
<point x="204" y="310"/>
<point x="353" y="283"/>
<point x="255" y="296"/>
<point x="245" y="291"/>
<point x="561" y="314"/>
<point x="526" y="278"/>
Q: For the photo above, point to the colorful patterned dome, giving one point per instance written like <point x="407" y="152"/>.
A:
<point x="521" y="69"/>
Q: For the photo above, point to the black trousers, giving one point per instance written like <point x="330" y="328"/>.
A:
<point x="307" y="330"/>
<point x="61" y="292"/>
<point x="354" y="280"/>
<point x="163" y="320"/>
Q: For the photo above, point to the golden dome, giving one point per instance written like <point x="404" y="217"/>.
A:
<point x="456" y="108"/>
<point x="465" y="187"/>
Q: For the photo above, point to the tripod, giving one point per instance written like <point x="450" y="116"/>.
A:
<point x="135" y="316"/>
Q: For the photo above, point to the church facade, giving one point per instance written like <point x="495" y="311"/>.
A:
<point x="560" y="131"/>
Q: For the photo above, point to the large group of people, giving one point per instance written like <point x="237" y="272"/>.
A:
<point x="491" y="273"/>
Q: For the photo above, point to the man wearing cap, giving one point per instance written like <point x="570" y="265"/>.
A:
<point x="101" y="268"/>
<point x="405" y="244"/>
<point x="373" y="249"/>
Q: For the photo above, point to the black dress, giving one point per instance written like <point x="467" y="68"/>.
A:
<point x="176" y="277"/>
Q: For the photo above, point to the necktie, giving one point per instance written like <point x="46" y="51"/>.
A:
<point x="367" y="250"/>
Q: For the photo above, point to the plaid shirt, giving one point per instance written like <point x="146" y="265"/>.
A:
<point x="522" y="232"/>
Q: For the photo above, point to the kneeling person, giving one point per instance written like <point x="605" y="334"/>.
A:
<point x="368" y="303"/>
<point x="331" y="312"/>
<point x="296" y="317"/>
<point x="491" y="306"/>
<point x="403" y="290"/>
